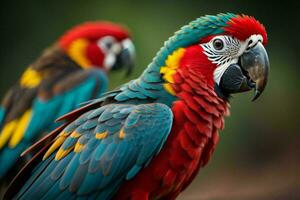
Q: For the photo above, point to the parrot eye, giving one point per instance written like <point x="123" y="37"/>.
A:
<point x="106" y="43"/>
<point x="218" y="44"/>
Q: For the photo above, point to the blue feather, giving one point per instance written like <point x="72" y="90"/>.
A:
<point x="105" y="163"/>
<point x="78" y="177"/>
<point x="2" y="115"/>
<point x="90" y="183"/>
<point x="9" y="156"/>
<point x="109" y="191"/>
<point x="34" y="175"/>
<point x="66" y="179"/>
<point x="52" y="192"/>
<point x="38" y="191"/>
<point x="133" y="171"/>
<point x="60" y="168"/>
<point x="69" y="142"/>
<point x="105" y="115"/>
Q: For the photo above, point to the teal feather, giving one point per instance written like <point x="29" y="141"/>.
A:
<point x="7" y="156"/>
<point x="95" y="113"/>
<point x="2" y="115"/>
<point x="99" y="151"/>
<point x="88" y="184"/>
<point x="109" y="160"/>
<point x="126" y="110"/>
<point x="133" y="171"/>
<point x="34" y="175"/>
<point x="119" y="115"/>
<point x="85" y="137"/>
<point x="66" y="179"/>
<point x="37" y="190"/>
<point x="100" y="128"/>
<point x="69" y="129"/>
<point x="192" y="33"/>
<point x="69" y="142"/>
<point x="66" y="194"/>
<point x="92" y="123"/>
<point x="109" y="191"/>
<point x="78" y="177"/>
<point x="60" y="168"/>
<point x="63" y="103"/>
<point x="88" y="150"/>
<point x="112" y="122"/>
<point x="52" y="193"/>
<point x="105" y="116"/>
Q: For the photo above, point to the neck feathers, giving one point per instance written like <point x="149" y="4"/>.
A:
<point x="192" y="89"/>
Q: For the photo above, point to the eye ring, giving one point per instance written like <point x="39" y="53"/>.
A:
<point x="106" y="43"/>
<point x="218" y="44"/>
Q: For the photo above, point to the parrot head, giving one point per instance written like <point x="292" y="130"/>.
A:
<point x="103" y="45"/>
<point x="228" y="50"/>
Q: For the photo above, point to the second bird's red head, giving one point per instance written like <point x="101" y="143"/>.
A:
<point x="99" y="44"/>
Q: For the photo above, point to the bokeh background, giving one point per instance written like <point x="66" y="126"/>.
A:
<point x="258" y="154"/>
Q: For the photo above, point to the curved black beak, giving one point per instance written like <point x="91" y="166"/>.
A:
<point x="251" y="72"/>
<point x="125" y="59"/>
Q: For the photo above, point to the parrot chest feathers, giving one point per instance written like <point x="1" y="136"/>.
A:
<point x="198" y="116"/>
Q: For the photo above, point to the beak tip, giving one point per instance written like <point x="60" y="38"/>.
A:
<point x="256" y="95"/>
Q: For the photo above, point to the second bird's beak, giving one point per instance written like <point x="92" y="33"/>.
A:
<point x="126" y="58"/>
<point x="251" y="72"/>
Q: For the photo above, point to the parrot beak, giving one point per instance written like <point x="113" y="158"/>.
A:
<point x="251" y="72"/>
<point x="126" y="58"/>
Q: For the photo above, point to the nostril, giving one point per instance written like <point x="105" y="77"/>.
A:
<point x="250" y="42"/>
<point x="250" y="45"/>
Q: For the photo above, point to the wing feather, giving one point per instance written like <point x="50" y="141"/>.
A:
<point x="43" y="105"/>
<point x="103" y="164"/>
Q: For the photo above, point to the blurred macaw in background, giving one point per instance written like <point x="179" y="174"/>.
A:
<point x="149" y="138"/>
<point x="71" y="71"/>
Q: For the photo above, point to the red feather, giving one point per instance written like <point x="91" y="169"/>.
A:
<point x="93" y="31"/>
<point x="243" y="26"/>
<point x="94" y="54"/>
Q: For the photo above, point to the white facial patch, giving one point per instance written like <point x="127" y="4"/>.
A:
<point x="109" y="61"/>
<point x="230" y="52"/>
<point x="110" y="48"/>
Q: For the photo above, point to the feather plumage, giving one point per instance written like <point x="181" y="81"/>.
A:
<point x="102" y="162"/>
<point x="150" y="140"/>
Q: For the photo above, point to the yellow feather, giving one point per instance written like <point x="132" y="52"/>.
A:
<point x="75" y="135"/>
<point x="168" y="87"/>
<point x="54" y="146"/>
<point x="78" y="147"/>
<point x="172" y="63"/>
<point x="122" y="134"/>
<point x="62" y="153"/>
<point x="77" y="52"/>
<point x="163" y="70"/>
<point x="100" y="136"/>
<point x="30" y="78"/>
<point x="7" y="131"/>
<point x="64" y="133"/>
<point x="174" y="58"/>
<point x="169" y="76"/>
<point x="20" y="129"/>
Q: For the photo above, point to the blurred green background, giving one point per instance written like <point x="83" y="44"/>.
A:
<point x="258" y="153"/>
